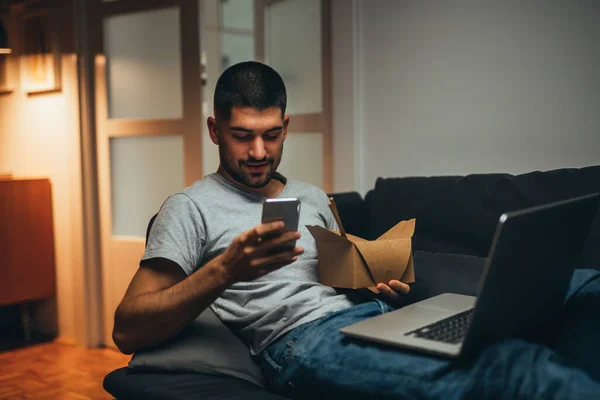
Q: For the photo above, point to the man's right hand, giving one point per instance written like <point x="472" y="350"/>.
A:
<point x="251" y="255"/>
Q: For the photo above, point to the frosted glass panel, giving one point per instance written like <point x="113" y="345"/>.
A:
<point x="144" y="170"/>
<point x="293" y="48"/>
<point x="303" y="158"/>
<point x="144" y="65"/>
<point x="236" y="48"/>
<point x="237" y="14"/>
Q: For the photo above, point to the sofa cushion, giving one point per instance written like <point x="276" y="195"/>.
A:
<point x="459" y="214"/>
<point x="205" y="346"/>
<point x="127" y="384"/>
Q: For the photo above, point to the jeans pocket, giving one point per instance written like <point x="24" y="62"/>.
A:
<point x="271" y="363"/>
<point x="278" y="372"/>
<point x="271" y="369"/>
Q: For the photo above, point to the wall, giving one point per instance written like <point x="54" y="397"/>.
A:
<point x="39" y="137"/>
<point x="345" y="79"/>
<point x="473" y="87"/>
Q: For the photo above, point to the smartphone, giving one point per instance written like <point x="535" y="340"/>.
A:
<point x="285" y="209"/>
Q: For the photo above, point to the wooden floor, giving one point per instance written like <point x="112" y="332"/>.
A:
<point x="57" y="371"/>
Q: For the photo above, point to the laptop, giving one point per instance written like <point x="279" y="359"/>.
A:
<point x="523" y="286"/>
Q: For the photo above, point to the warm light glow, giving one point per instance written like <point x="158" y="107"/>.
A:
<point x="39" y="72"/>
<point x="5" y="51"/>
<point x="100" y="60"/>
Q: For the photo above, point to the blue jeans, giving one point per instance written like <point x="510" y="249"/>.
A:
<point x="315" y="361"/>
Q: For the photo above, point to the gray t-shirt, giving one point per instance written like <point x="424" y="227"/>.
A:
<point x="198" y="223"/>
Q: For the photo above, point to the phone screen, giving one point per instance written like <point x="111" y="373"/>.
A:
<point x="285" y="209"/>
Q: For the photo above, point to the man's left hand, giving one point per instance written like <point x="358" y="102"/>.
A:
<point x="394" y="290"/>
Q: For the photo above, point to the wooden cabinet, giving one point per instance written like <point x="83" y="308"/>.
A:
<point x="27" y="265"/>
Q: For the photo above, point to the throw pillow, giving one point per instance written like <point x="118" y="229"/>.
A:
<point x="206" y="346"/>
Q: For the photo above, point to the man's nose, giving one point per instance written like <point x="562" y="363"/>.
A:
<point x="257" y="150"/>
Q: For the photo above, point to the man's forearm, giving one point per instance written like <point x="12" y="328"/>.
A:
<point x="151" y="318"/>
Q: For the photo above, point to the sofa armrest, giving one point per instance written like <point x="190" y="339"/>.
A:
<point x="128" y="384"/>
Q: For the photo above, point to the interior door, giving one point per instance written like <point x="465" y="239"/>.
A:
<point x="148" y="122"/>
<point x="294" y="37"/>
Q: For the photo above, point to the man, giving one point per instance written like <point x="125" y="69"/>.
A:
<point x="206" y="248"/>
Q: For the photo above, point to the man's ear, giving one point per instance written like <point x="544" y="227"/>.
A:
<point x="286" y="122"/>
<point x="213" y="130"/>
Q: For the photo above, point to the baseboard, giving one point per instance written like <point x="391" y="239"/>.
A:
<point x="15" y="340"/>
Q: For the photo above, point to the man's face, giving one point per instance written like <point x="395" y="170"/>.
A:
<point x="250" y="144"/>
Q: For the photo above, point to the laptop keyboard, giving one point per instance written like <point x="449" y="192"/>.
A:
<point x="449" y="330"/>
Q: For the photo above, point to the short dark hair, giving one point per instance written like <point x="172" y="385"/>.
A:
<point x="249" y="84"/>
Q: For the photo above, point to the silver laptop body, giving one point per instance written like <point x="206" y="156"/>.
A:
<point x="523" y="286"/>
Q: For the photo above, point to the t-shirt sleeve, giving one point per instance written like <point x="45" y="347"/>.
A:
<point x="177" y="233"/>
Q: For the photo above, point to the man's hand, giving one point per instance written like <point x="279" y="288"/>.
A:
<point x="257" y="252"/>
<point x="394" y="290"/>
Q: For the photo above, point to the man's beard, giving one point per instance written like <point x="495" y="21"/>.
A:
<point x="236" y="169"/>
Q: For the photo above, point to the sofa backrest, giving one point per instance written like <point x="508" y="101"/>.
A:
<point x="353" y="212"/>
<point x="458" y="214"/>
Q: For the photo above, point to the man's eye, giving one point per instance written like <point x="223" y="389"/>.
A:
<point x="243" y="137"/>
<point x="272" y="136"/>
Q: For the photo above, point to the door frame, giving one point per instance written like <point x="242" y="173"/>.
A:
<point x="320" y="122"/>
<point x="97" y="129"/>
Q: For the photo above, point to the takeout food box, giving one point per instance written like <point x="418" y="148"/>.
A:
<point x="348" y="261"/>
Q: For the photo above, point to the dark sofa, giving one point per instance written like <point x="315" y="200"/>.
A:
<point x="456" y="218"/>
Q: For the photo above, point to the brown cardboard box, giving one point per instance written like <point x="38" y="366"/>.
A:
<point x="352" y="262"/>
